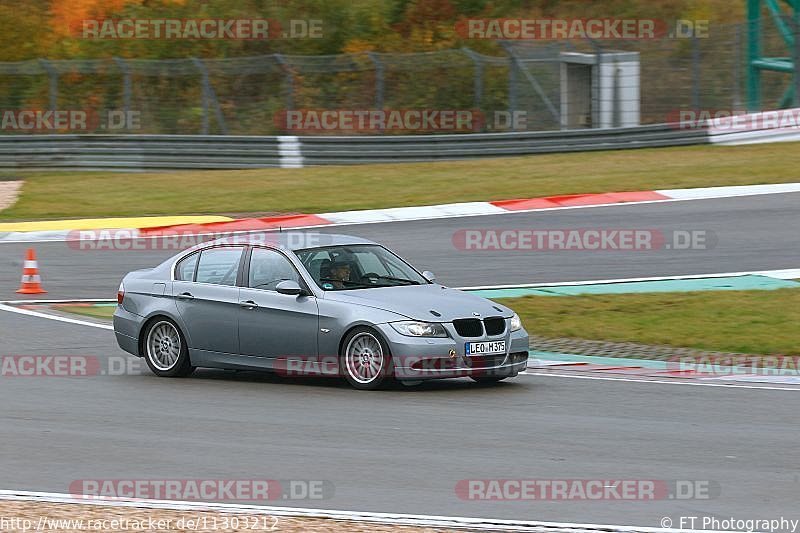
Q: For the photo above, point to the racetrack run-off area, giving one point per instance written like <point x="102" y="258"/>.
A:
<point x="549" y="424"/>
<point x="399" y="266"/>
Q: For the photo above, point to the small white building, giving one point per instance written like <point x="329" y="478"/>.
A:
<point x="600" y="90"/>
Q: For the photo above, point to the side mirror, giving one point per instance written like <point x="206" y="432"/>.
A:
<point x="430" y="276"/>
<point x="289" y="287"/>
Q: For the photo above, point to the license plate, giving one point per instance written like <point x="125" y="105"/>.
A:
<point x="485" y="348"/>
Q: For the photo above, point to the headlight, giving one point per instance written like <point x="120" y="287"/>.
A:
<point x="419" y="329"/>
<point x="516" y="323"/>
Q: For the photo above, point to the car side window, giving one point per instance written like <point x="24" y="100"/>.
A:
<point x="219" y="265"/>
<point x="184" y="270"/>
<point x="268" y="268"/>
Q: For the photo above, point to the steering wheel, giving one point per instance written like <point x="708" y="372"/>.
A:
<point x="368" y="275"/>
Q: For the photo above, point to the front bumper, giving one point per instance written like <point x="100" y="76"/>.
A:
<point x="417" y="358"/>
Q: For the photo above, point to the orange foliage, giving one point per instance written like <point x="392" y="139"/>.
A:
<point x="67" y="16"/>
<point x="426" y="14"/>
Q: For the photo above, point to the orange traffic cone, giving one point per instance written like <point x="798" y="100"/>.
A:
<point x="31" y="282"/>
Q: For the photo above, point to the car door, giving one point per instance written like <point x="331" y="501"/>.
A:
<point x="208" y="298"/>
<point x="271" y="324"/>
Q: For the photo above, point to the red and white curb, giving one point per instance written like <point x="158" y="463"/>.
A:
<point x="405" y="214"/>
<point x="455" y="522"/>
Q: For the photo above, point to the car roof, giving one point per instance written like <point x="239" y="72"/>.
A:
<point x="289" y="240"/>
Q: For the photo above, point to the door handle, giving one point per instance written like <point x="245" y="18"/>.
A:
<point x="249" y="304"/>
<point x="186" y="295"/>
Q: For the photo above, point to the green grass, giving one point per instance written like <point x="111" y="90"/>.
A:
<point x="754" y="322"/>
<point x="105" y="311"/>
<point x="320" y="189"/>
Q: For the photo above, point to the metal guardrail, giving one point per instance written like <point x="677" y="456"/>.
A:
<point x="388" y="149"/>
<point x="168" y="152"/>
<point x="138" y="152"/>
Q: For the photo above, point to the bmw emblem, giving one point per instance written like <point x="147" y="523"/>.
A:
<point x="475" y="314"/>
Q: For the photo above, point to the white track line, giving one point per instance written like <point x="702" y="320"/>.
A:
<point x="487" y="524"/>
<point x="77" y="300"/>
<point x="28" y="312"/>
<point x="659" y="382"/>
<point x="786" y="274"/>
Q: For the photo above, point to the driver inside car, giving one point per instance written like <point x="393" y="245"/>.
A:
<point x="340" y="273"/>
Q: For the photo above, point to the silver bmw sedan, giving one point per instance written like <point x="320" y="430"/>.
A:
<point x="312" y="304"/>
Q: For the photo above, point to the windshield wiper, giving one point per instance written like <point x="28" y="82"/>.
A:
<point x="399" y="280"/>
<point x="347" y="282"/>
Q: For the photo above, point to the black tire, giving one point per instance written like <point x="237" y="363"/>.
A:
<point x="163" y="332"/>
<point x="360" y="372"/>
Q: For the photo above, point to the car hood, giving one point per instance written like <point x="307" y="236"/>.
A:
<point x="417" y="302"/>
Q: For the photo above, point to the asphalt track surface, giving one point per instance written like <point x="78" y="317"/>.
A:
<point x="752" y="233"/>
<point x="397" y="450"/>
<point x="404" y="450"/>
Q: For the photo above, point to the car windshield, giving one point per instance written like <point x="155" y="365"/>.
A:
<point x="360" y="266"/>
